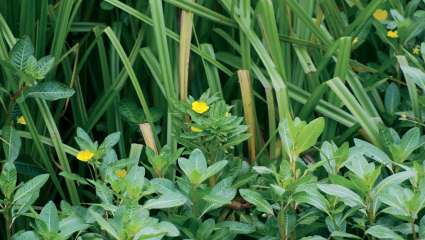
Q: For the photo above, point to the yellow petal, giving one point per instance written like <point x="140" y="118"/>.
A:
<point x="380" y="14"/>
<point x="200" y="106"/>
<point x="392" y="34"/>
<point x="85" y="155"/>
<point x="121" y="173"/>
<point x="195" y="129"/>
<point x="21" y="120"/>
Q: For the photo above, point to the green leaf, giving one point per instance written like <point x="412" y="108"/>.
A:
<point x="392" y="98"/>
<point x="392" y="180"/>
<point x="257" y="200"/>
<point x="50" y="91"/>
<point x="196" y="163"/>
<point x="168" y="200"/>
<point x="382" y="232"/>
<point x="213" y="169"/>
<point x="21" y="53"/>
<point x="12" y="143"/>
<point x="339" y="234"/>
<point x="71" y="225"/>
<point x="262" y="170"/>
<point x="49" y="215"/>
<point x="236" y="227"/>
<point x="221" y="194"/>
<point x="8" y="179"/>
<point x="309" y="134"/>
<point x="110" y="141"/>
<point x="370" y="151"/>
<point x="313" y="198"/>
<point x="349" y="197"/>
<point x="104" y="224"/>
<point x="28" y="193"/>
<point x="135" y="181"/>
<point x="44" y="65"/>
<point x="397" y="198"/>
<point x="28" y="235"/>
<point x="169" y="228"/>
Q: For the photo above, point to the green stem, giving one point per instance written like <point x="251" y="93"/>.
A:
<point x="57" y="143"/>
<point x="281" y="222"/>
<point x="413" y="230"/>
<point x="7" y="223"/>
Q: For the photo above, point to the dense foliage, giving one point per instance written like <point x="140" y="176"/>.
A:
<point x="212" y="119"/>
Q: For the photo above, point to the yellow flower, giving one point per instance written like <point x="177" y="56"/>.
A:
<point x="392" y="34"/>
<point x="21" y="120"/>
<point x="380" y="14"/>
<point x="200" y="106"/>
<point x="416" y="50"/>
<point x="85" y="155"/>
<point x="195" y="129"/>
<point x="121" y="173"/>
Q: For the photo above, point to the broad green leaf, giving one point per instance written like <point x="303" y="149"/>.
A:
<point x="21" y="53"/>
<point x="392" y="98"/>
<point x="214" y="169"/>
<point x="415" y="75"/>
<point x="50" y="91"/>
<point x="49" y="215"/>
<point x="8" y="179"/>
<point x="383" y="232"/>
<point x="397" y="198"/>
<point x="28" y="193"/>
<point x="12" y="143"/>
<point x="392" y="180"/>
<point x="221" y="194"/>
<point x="313" y="198"/>
<point x="257" y="200"/>
<point x="370" y="151"/>
<point x="309" y="134"/>
<point x="32" y="187"/>
<point x="236" y="227"/>
<point x="44" y="65"/>
<point x="169" y="228"/>
<point x="339" y="234"/>
<point x="195" y="162"/>
<point x="410" y="142"/>
<point x="104" y="224"/>
<point x="28" y="235"/>
<point x="135" y="181"/>
<point x="262" y="170"/>
<point x="111" y="140"/>
<point x="349" y="197"/>
<point x="168" y="200"/>
<point x="71" y="225"/>
<point x="313" y="238"/>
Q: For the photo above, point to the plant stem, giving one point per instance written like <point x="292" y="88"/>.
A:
<point x="281" y="222"/>
<point x="413" y="230"/>
<point x="7" y="223"/>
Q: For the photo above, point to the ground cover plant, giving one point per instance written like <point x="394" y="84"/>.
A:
<point x="212" y="119"/>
